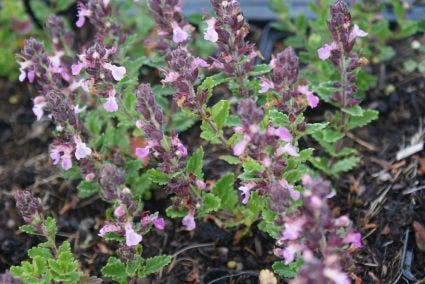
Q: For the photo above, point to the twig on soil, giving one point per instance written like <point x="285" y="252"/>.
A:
<point x="409" y="151"/>
<point x="413" y="189"/>
<point x="367" y="145"/>
<point x="183" y="250"/>
<point x="250" y="273"/>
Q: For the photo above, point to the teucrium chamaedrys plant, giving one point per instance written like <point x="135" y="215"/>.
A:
<point x="114" y="134"/>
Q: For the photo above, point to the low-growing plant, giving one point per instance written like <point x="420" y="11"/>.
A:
<point x="118" y="138"/>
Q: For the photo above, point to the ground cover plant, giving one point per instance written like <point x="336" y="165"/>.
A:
<point x="121" y="94"/>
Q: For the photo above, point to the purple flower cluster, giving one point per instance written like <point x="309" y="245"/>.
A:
<point x="28" y="206"/>
<point x="229" y="30"/>
<point x="340" y="52"/>
<point x="313" y="233"/>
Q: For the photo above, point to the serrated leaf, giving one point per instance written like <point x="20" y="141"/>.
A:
<point x="344" y="165"/>
<point x="209" y="135"/>
<point x="210" y="203"/>
<point x="220" y="113"/>
<point x="50" y="226"/>
<point x="157" y="176"/>
<point x="133" y="266"/>
<point x="278" y="118"/>
<point x="39" y="251"/>
<point x="181" y="121"/>
<point x="172" y="213"/>
<point x="65" y="267"/>
<point x="87" y="189"/>
<point x="332" y="136"/>
<point x="368" y="116"/>
<point x="230" y="159"/>
<point x="213" y="81"/>
<point x="195" y="163"/>
<point x="260" y="69"/>
<point x="27" y="229"/>
<point x="287" y="271"/>
<point x="354" y="111"/>
<point x="225" y="191"/>
<point x="115" y="269"/>
<point x="154" y="264"/>
<point x="315" y="127"/>
<point x="251" y="165"/>
<point x="321" y="164"/>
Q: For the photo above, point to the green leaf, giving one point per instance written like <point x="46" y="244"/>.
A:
<point x="230" y="159"/>
<point x="172" y="213"/>
<point x="386" y="53"/>
<point x="225" y="191"/>
<point x="260" y="69"/>
<point x="368" y="116"/>
<point x="213" y="81"/>
<point x="344" y="165"/>
<point x="27" y="229"/>
<point x="210" y="203"/>
<point x="115" y="269"/>
<point x="133" y="266"/>
<point x="157" y="176"/>
<point x="220" y="113"/>
<point x="65" y="267"/>
<point x="321" y="164"/>
<point x="50" y="226"/>
<point x="354" y="111"/>
<point x="315" y="127"/>
<point x="332" y="136"/>
<point x="251" y="165"/>
<point x="195" y="163"/>
<point x="287" y="271"/>
<point x="39" y="251"/>
<point x="87" y="189"/>
<point x="154" y="264"/>
<point x="278" y="118"/>
<point x="181" y="121"/>
<point x="209" y="134"/>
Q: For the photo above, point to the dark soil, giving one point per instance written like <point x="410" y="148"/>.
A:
<point x="377" y="195"/>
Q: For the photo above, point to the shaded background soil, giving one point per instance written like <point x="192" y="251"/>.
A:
<point x="383" y="196"/>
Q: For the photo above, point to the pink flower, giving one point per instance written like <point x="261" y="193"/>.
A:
<point x="357" y="32"/>
<point x="336" y="275"/>
<point x="62" y="153"/>
<point x="108" y="228"/>
<point x="316" y="202"/>
<point x="179" y="35"/>
<point x="78" y="109"/>
<point x="31" y="76"/>
<point x="342" y="221"/>
<point x="325" y="51"/>
<point x="240" y="147"/>
<point x="295" y="194"/>
<point x="312" y="100"/>
<point x="246" y="191"/>
<point x="131" y="237"/>
<point x="288" y="149"/>
<point x="76" y="68"/>
<point x="181" y="149"/>
<point x="118" y="72"/>
<point x="170" y="77"/>
<point x="119" y="211"/>
<point x="82" y="13"/>
<point x="89" y="177"/>
<point x="81" y="150"/>
<point x="199" y="62"/>
<point x="292" y="230"/>
<point x="289" y="254"/>
<point x="111" y="104"/>
<point x="189" y="222"/>
<point x="265" y="85"/>
<point x="142" y="153"/>
<point x="354" y="238"/>
<point x="200" y="184"/>
<point x="306" y="180"/>
<point x="159" y="223"/>
<point x="211" y="34"/>
<point x="39" y="104"/>
<point x="283" y="133"/>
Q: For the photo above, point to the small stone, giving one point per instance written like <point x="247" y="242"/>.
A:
<point x="232" y="264"/>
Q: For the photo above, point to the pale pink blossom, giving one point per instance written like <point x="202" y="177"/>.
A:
<point x="89" y="177"/>
<point x="283" y="133"/>
<point x="287" y="149"/>
<point x="31" y="76"/>
<point x="354" y="238"/>
<point x="170" y="77"/>
<point x="142" y="153"/>
<point x="78" y="109"/>
<point x="265" y="85"/>
<point x="342" y="221"/>
<point x="312" y="100"/>
<point x="246" y="191"/>
<point x="62" y="153"/>
<point x="210" y="33"/>
<point x="239" y="148"/>
<point x="306" y="180"/>
<point x="181" y="149"/>
<point x="357" y="32"/>
<point x="111" y="104"/>
<point x="83" y="12"/>
<point x="289" y="253"/>
<point x="337" y="276"/>
<point x="131" y="237"/>
<point x="118" y="72"/>
<point x="119" y="211"/>
<point x="81" y="150"/>
<point x="108" y="228"/>
<point x="326" y="50"/>
<point x="293" y="229"/>
<point x="200" y="184"/>
<point x="295" y="194"/>
<point x="76" y="68"/>
<point x="189" y="222"/>
<point x="159" y="223"/>
<point x="39" y="104"/>
<point x="199" y="62"/>
<point x="179" y="34"/>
